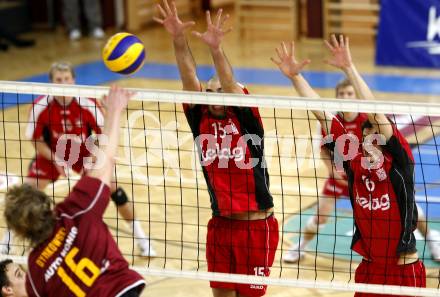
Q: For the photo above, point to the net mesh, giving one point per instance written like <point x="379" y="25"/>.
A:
<point x="158" y="166"/>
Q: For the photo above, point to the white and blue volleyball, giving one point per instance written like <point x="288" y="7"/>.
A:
<point x="124" y="53"/>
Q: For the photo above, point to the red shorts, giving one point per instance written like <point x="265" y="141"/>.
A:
<point x="41" y="168"/>
<point x="410" y="275"/>
<point x="241" y="247"/>
<point x="334" y="188"/>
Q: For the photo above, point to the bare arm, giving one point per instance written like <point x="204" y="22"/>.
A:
<point x="184" y="57"/>
<point x="116" y="102"/>
<point x="42" y="149"/>
<point x="341" y="58"/>
<point x="213" y="38"/>
<point x="291" y="68"/>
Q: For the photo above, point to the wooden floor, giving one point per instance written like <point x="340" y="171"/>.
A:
<point x="161" y="201"/>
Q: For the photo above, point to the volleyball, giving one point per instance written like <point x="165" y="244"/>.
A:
<point x="124" y="53"/>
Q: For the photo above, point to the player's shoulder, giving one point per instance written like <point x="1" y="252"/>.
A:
<point x="43" y="101"/>
<point x="87" y="103"/>
<point x="362" y="117"/>
<point x="40" y="105"/>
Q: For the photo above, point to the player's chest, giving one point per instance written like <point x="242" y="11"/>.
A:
<point x="225" y="132"/>
<point x="373" y="192"/>
<point x="65" y="121"/>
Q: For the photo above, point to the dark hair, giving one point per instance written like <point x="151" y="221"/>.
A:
<point x="366" y="125"/>
<point x="4" y="280"/>
<point x="28" y="212"/>
<point x="343" y="84"/>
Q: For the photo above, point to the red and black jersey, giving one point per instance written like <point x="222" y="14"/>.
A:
<point x="232" y="157"/>
<point x="383" y="200"/>
<point x="48" y="119"/>
<point x="352" y="127"/>
<point x="81" y="258"/>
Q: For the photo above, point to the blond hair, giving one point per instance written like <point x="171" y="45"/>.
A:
<point x="28" y="212"/>
<point x="343" y="84"/>
<point x="61" y="66"/>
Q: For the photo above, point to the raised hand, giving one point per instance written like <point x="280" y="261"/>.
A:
<point x="287" y="62"/>
<point x="171" y="20"/>
<point x="214" y="33"/>
<point x="117" y="99"/>
<point x="340" y="52"/>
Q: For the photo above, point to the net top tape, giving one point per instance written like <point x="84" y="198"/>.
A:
<point x="283" y="102"/>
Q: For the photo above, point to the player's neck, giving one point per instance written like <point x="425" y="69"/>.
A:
<point x="349" y="116"/>
<point x="64" y="101"/>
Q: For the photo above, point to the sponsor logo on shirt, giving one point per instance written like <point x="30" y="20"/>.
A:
<point x="382" y="203"/>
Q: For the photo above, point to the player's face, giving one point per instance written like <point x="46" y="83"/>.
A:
<point x="62" y="77"/>
<point x="17" y="278"/>
<point x="216" y="110"/>
<point x="346" y="93"/>
<point x="365" y="133"/>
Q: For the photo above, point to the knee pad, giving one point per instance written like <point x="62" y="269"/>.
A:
<point x="119" y="197"/>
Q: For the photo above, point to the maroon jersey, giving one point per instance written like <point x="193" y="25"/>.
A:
<point x="81" y="258"/>
<point x="50" y="120"/>
<point x="383" y="200"/>
<point x="232" y="157"/>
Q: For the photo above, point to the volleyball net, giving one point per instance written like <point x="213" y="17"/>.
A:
<point x="158" y="166"/>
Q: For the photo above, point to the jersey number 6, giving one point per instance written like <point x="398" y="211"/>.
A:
<point x="79" y="270"/>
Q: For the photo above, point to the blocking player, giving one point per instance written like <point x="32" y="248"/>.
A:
<point x="12" y="279"/>
<point x="243" y="233"/>
<point x="381" y="186"/>
<point x="51" y="118"/>
<point x="73" y="251"/>
<point x="336" y="185"/>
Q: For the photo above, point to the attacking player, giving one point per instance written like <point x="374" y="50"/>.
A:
<point x="73" y="251"/>
<point x="381" y="187"/>
<point x="243" y="233"/>
<point x="336" y="185"/>
<point x="53" y="117"/>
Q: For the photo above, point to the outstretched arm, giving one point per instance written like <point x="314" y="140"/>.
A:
<point x="341" y="59"/>
<point x="291" y="68"/>
<point x="116" y="102"/>
<point x="213" y="37"/>
<point x="185" y="60"/>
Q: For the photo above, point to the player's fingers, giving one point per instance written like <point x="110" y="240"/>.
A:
<point x="208" y="18"/>
<point x="328" y="45"/>
<point x="218" y="18"/>
<point x="278" y="63"/>
<point x="334" y="41"/>
<point x="173" y="6"/>
<point x="160" y="21"/>
<point x="167" y="7"/>
<point x="188" y="24"/>
<point x="224" y="19"/>
<point x="280" y="55"/>
<point x="162" y="12"/>
<point x="283" y="46"/>
<point x="292" y="48"/>
<point x="347" y="42"/>
<point x="196" y="34"/>
<point x="341" y="40"/>
<point x="304" y="63"/>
